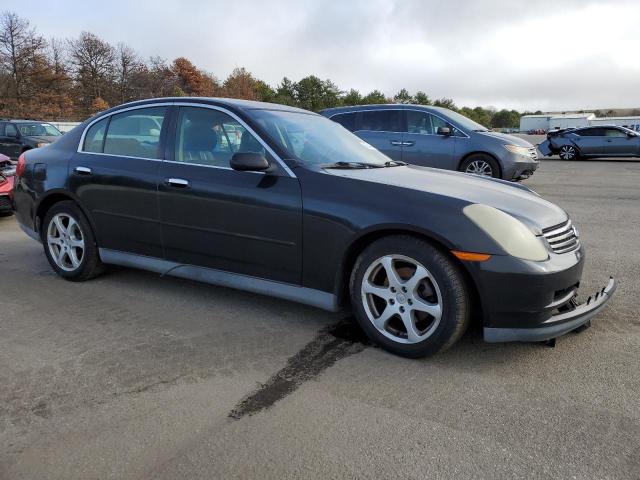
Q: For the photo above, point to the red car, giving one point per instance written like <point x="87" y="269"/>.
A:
<point x="7" y="171"/>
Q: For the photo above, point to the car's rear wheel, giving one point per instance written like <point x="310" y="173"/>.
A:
<point x="409" y="297"/>
<point x="69" y="243"/>
<point x="568" y="152"/>
<point x="481" y="164"/>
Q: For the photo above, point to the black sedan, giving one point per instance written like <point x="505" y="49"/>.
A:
<point x="604" y="141"/>
<point x="284" y="202"/>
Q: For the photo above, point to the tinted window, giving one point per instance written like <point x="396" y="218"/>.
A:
<point x="381" y="121"/>
<point x="210" y="137"/>
<point x="590" y="132"/>
<point x="614" y="132"/>
<point x="135" y="133"/>
<point x="347" y="120"/>
<point x="95" y="136"/>
<point x="38" y="129"/>
<point x="11" y="130"/>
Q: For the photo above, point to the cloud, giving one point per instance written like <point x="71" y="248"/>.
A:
<point x="572" y="54"/>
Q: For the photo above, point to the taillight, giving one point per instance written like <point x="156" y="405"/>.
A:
<point x="21" y="165"/>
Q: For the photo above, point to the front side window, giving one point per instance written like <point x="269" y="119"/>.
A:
<point x="381" y="121"/>
<point x="614" y="132"/>
<point x="10" y="130"/>
<point x="135" y="133"/>
<point x="94" y="138"/>
<point x="347" y="120"/>
<point x="424" y="123"/>
<point x="209" y="137"/>
<point x="315" y="140"/>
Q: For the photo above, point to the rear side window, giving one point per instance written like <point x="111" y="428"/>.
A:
<point x="10" y="130"/>
<point x="381" y="121"/>
<point x="590" y="132"/>
<point x="347" y="120"/>
<point x="94" y="138"/>
<point x="135" y="133"/>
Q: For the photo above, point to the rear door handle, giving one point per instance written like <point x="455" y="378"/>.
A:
<point x="83" y="170"/>
<point x="178" y="182"/>
<point x="396" y="143"/>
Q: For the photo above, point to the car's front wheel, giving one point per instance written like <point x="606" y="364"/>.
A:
<point x="69" y="243"/>
<point x="568" y="152"/>
<point x="409" y="297"/>
<point x="481" y="164"/>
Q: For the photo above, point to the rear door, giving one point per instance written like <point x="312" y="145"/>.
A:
<point x="423" y="146"/>
<point x="115" y="175"/>
<point x="212" y="216"/>
<point x="382" y="129"/>
<point x="590" y="141"/>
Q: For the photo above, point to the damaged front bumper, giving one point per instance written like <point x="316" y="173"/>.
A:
<point x="545" y="148"/>
<point x="574" y="317"/>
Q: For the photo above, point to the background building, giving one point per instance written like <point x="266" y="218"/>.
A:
<point x="551" y="121"/>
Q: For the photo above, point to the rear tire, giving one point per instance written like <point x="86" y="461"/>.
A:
<point x="69" y="243"/>
<point x="568" y="152"/>
<point x="481" y="164"/>
<point x="409" y="297"/>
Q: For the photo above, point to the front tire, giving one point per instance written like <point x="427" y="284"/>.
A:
<point x="69" y="243"/>
<point x="409" y="297"/>
<point x="481" y="164"/>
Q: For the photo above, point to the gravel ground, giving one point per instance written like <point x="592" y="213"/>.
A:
<point x="136" y="376"/>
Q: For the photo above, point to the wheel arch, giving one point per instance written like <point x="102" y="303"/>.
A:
<point x="53" y="197"/>
<point x="359" y="244"/>
<point x="480" y="152"/>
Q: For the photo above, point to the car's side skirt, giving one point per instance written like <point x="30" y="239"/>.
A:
<point x="308" y="296"/>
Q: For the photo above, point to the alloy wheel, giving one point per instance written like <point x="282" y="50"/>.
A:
<point x="65" y="242"/>
<point x="567" y="152"/>
<point x="480" y="167"/>
<point x="401" y="299"/>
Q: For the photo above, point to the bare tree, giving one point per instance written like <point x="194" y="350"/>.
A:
<point x="94" y="62"/>
<point x="19" y="47"/>
<point x="127" y="66"/>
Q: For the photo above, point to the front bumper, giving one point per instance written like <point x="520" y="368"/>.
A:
<point x="518" y="167"/>
<point x="558" y="324"/>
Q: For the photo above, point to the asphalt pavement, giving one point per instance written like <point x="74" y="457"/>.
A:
<point x="136" y="376"/>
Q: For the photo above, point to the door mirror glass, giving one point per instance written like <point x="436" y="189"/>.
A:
<point x="249" y="162"/>
<point x="444" y="131"/>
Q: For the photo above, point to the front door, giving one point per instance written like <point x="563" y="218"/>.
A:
<point x="212" y="216"/>
<point x="423" y="146"/>
<point x="115" y="175"/>
<point x="620" y="143"/>
<point x="382" y="129"/>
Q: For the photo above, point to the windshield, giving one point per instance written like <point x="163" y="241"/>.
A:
<point x="316" y="140"/>
<point x="465" y="122"/>
<point x="38" y="130"/>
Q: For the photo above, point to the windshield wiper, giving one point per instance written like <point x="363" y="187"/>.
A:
<point x="347" y="165"/>
<point x="394" y="163"/>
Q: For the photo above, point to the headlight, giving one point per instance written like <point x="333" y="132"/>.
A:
<point x="508" y="232"/>
<point x="38" y="145"/>
<point x="518" y="150"/>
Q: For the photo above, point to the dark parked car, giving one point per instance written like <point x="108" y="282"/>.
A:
<point x="17" y="136"/>
<point x="438" y="137"/>
<point x="299" y="208"/>
<point x="602" y="141"/>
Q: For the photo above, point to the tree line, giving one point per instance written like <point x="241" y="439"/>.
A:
<point x="71" y="79"/>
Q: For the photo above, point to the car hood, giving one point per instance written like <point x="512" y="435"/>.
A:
<point x="512" y="198"/>
<point x="511" y="139"/>
<point x="43" y="138"/>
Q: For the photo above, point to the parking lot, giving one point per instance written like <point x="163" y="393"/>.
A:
<point x="146" y="377"/>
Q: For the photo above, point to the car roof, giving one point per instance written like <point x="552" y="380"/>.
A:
<point x="23" y="121"/>
<point x="232" y="103"/>
<point x="383" y="106"/>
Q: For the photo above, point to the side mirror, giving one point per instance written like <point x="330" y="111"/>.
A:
<point x="249" y="162"/>
<point x="446" y="131"/>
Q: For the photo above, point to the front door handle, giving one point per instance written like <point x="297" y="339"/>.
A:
<point x="408" y="144"/>
<point x="83" y="170"/>
<point x="178" y="182"/>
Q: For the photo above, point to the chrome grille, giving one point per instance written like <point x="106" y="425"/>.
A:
<point x="562" y="238"/>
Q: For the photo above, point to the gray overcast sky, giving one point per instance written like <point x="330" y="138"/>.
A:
<point x="548" y="55"/>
